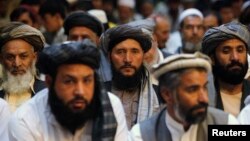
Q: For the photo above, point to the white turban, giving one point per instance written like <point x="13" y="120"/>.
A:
<point x="128" y="3"/>
<point x="189" y="12"/>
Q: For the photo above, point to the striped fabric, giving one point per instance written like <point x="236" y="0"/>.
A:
<point x="214" y="36"/>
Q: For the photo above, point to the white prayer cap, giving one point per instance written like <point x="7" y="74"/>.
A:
<point x="99" y="14"/>
<point x="189" y="12"/>
<point x="128" y="3"/>
<point x="182" y="61"/>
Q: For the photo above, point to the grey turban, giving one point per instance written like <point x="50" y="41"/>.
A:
<point x="84" y="52"/>
<point x="146" y="25"/>
<point x="17" y="30"/>
<point x="117" y="34"/>
<point x="216" y="35"/>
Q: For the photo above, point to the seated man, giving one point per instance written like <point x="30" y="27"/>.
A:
<point x="75" y="107"/>
<point x="19" y="44"/>
<point x="183" y="86"/>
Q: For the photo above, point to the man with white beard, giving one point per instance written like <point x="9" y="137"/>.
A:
<point x="19" y="44"/>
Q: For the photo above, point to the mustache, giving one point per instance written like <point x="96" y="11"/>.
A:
<point x="78" y="98"/>
<point x="127" y="66"/>
<point x="16" y="69"/>
<point x="234" y="63"/>
<point x="200" y="105"/>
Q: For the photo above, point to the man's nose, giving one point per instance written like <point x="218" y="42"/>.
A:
<point x="17" y="61"/>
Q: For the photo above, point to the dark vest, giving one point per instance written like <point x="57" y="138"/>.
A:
<point x="38" y="85"/>
<point x="155" y="129"/>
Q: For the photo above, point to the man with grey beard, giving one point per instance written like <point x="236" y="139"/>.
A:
<point x="190" y="33"/>
<point x="19" y="44"/>
<point x="187" y="114"/>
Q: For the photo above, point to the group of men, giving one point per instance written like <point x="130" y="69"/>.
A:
<point x="98" y="87"/>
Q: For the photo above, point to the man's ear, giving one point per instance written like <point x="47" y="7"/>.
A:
<point x="48" y="80"/>
<point x="166" y="95"/>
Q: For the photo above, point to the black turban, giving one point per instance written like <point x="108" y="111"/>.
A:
<point x="84" y="52"/>
<point x="81" y="18"/>
<point x="17" y="30"/>
<point x="120" y="33"/>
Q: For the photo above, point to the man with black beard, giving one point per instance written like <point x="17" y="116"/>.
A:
<point x="126" y="46"/>
<point x="19" y="44"/>
<point x="227" y="46"/>
<point x="183" y="86"/>
<point x="75" y="106"/>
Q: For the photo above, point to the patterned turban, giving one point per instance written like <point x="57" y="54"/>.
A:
<point x="17" y="30"/>
<point x="216" y="35"/>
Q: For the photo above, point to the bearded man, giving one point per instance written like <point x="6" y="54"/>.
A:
<point x="75" y="106"/>
<point x="19" y="46"/>
<point x="126" y="46"/>
<point x="183" y="85"/>
<point x="227" y="46"/>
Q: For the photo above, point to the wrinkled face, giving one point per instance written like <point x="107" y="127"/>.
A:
<point x="230" y="61"/>
<point x="162" y="30"/>
<point x="192" y="30"/>
<point x="79" y="33"/>
<point x="17" y="56"/>
<point x="191" y="98"/>
<point x="74" y="85"/>
<point x="127" y="57"/>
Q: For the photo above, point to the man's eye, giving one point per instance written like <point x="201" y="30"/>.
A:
<point x="68" y="81"/>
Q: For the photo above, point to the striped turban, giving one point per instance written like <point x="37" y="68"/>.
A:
<point x="216" y="35"/>
<point x="17" y="30"/>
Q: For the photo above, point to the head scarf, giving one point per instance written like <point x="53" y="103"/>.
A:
<point x="120" y="33"/>
<point x="81" y="18"/>
<point x="17" y="30"/>
<point x="216" y="35"/>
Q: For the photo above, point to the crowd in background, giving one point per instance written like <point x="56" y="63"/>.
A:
<point x="120" y="69"/>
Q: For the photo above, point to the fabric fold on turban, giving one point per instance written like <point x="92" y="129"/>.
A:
<point x="81" y="18"/>
<point x="17" y="30"/>
<point x="120" y="33"/>
<point x="216" y="35"/>
<point x="84" y="52"/>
